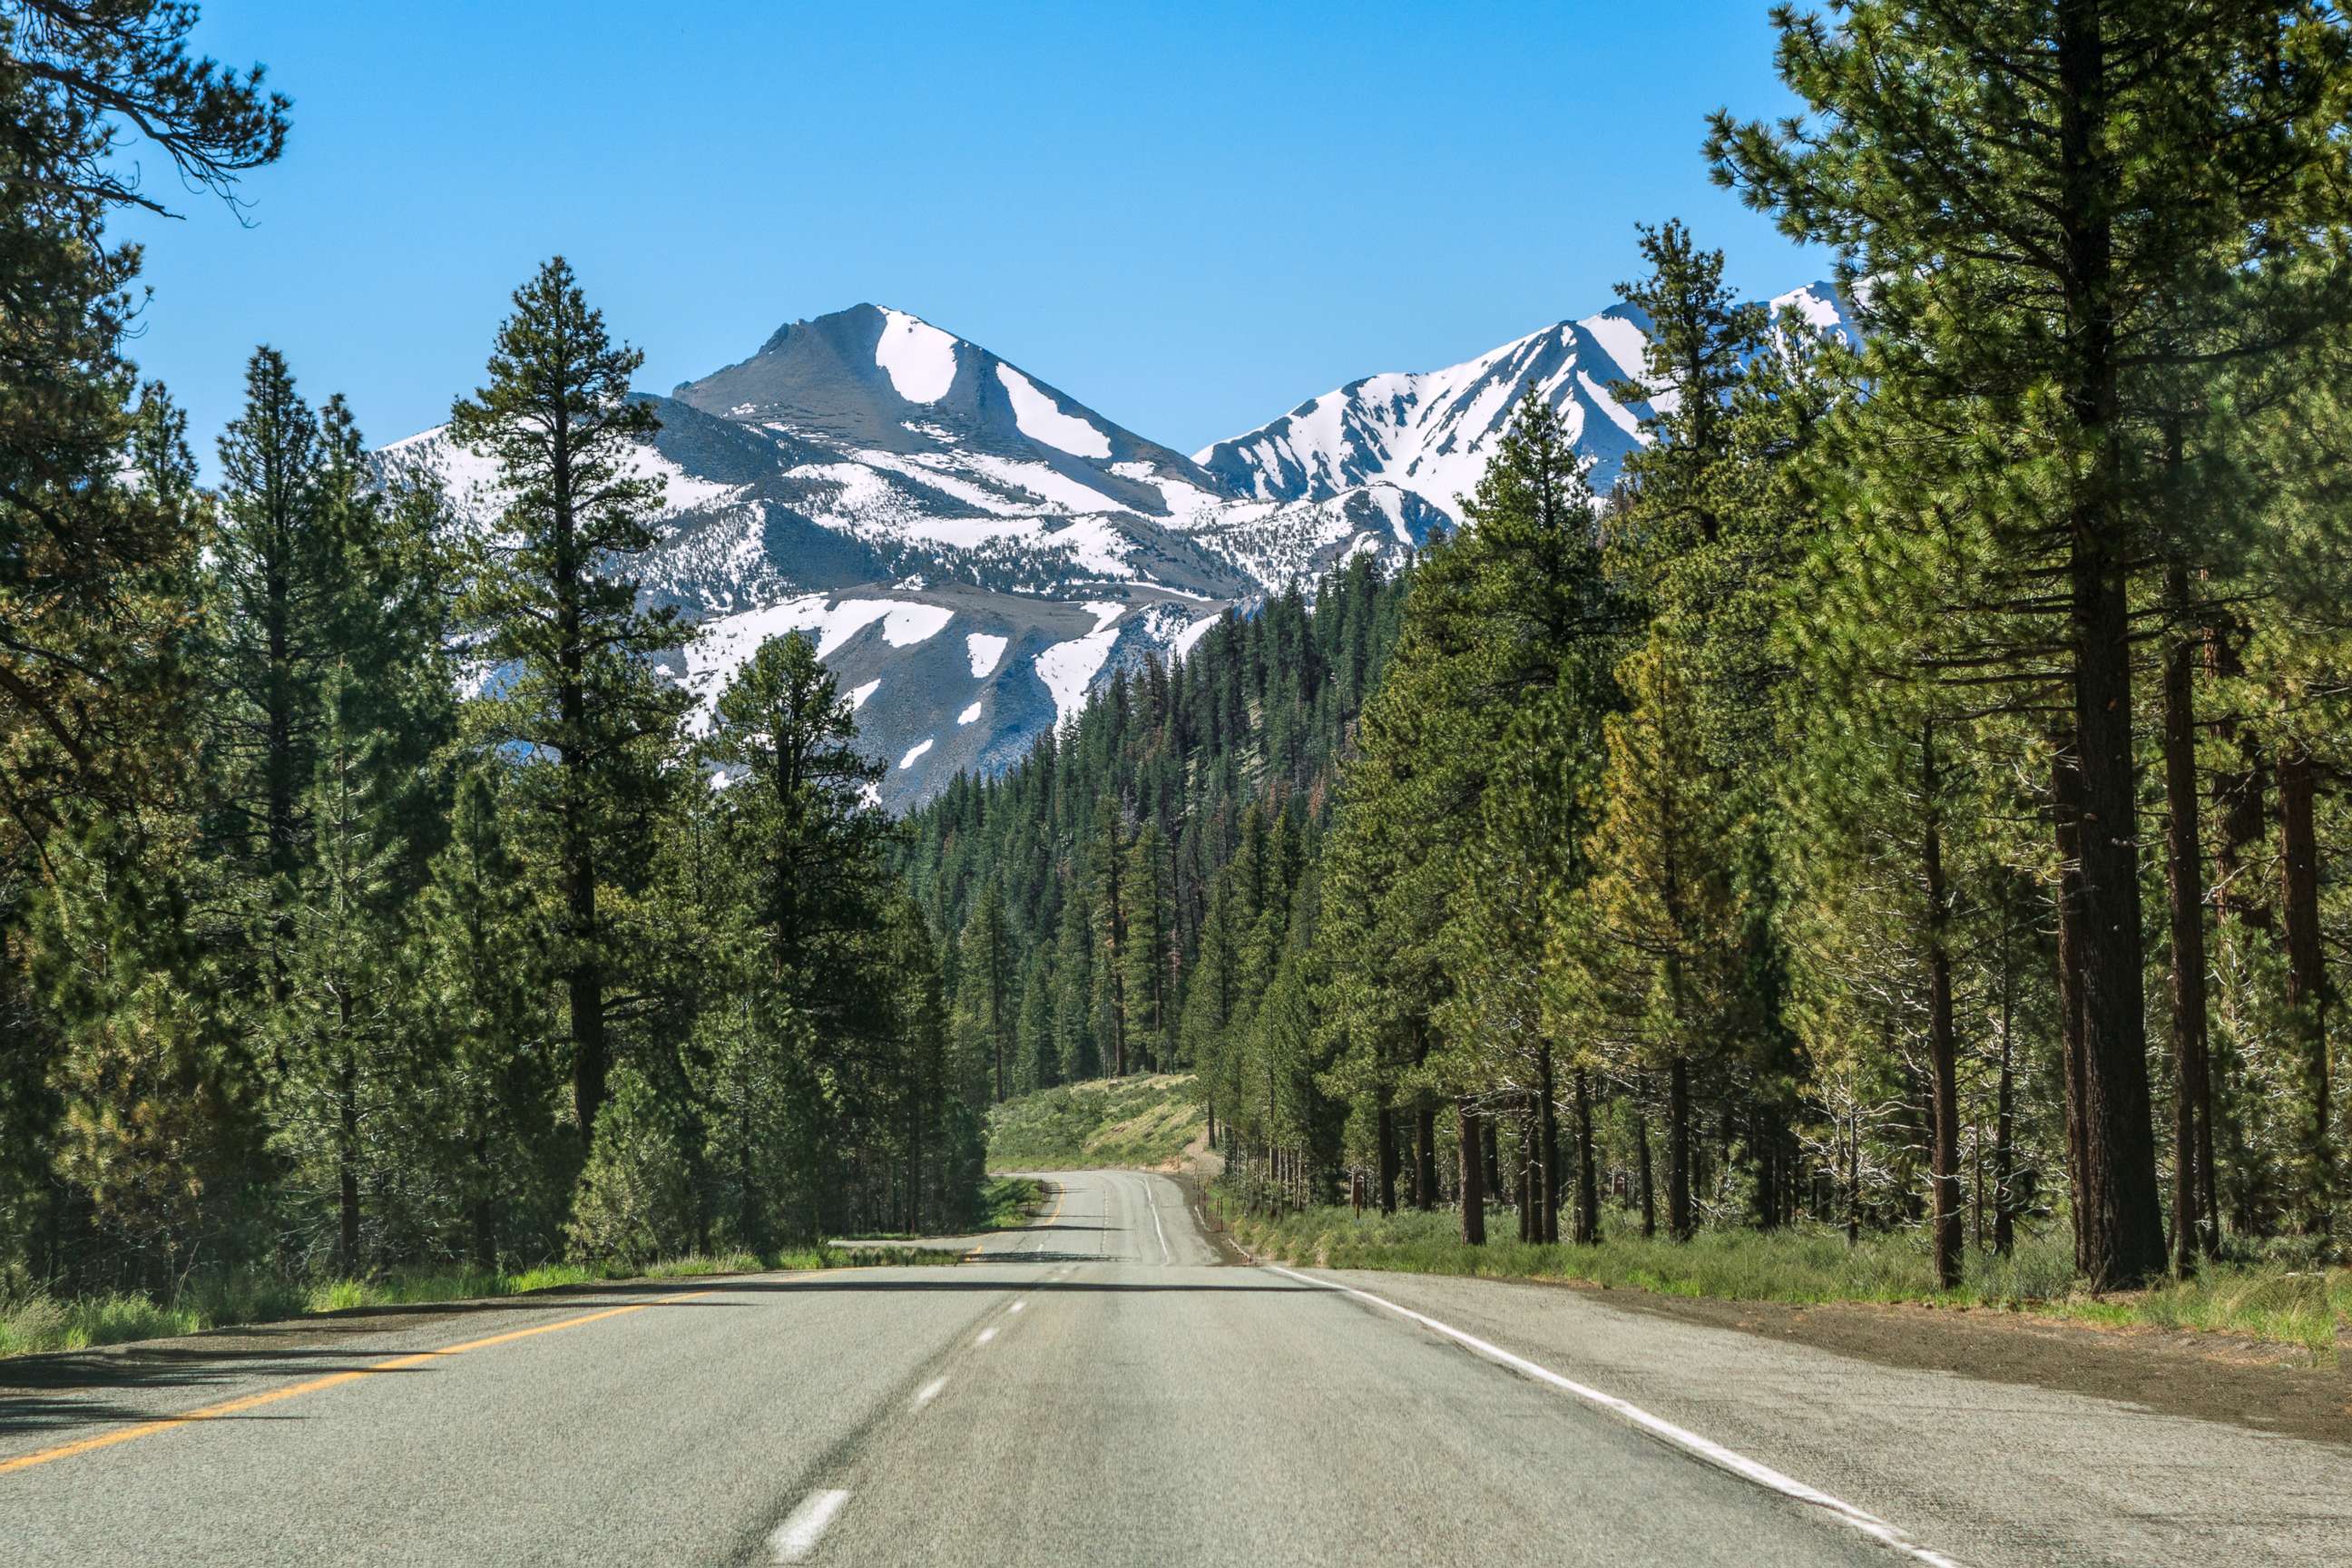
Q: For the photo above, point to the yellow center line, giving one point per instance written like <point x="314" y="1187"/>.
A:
<point x="272" y="1396"/>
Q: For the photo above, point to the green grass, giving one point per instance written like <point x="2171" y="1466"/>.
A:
<point x="43" y="1323"/>
<point x="1808" y="1265"/>
<point x="1083" y="1126"/>
<point x="1008" y="1203"/>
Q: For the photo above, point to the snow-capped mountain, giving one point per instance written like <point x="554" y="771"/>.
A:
<point x="1431" y="434"/>
<point x="975" y="552"/>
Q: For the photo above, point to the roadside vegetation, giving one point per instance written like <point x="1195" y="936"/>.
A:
<point x="38" y="1321"/>
<point x="1106" y="1122"/>
<point x="2279" y="1300"/>
<point x="1011" y="1202"/>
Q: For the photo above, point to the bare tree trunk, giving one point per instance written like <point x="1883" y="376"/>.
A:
<point x="1649" y="1192"/>
<point x="1385" y="1130"/>
<point x="1943" y="1054"/>
<point x="1680" y="1224"/>
<point x="2124" y="1221"/>
<point x="1530" y="1229"/>
<point x="1474" y="1173"/>
<point x="1547" y="1135"/>
<point x="2192" y="1105"/>
<point x="1588" y="1180"/>
<point x="1425" y="1154"/>
<point x="2066" y="806"/>
<point x="2307" y="976"/>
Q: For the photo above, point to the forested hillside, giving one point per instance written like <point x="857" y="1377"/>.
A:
<point x="1119" y="900"/>
<point x="366" y="897"/>
<point x="1909" y="800"/>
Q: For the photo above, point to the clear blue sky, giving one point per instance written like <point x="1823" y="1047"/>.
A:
<point x="1190" y="217"/>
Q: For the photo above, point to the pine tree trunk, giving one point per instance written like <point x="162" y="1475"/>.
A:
<point x="2124" y="1224"/>
<point x="2306" y="977"/>
<point x="1588" y="1180"/>
<point x="1424" y="1154"/>
<point x="1490" y="1140"/>
<point x="2184" y="886"/>
<point x="347" y="1153"/>
<point x="1943" y="1056"/>
<point x="1386" y="1132"/>
<point x="2066" y="805"/>
<point x="1474" y="1173"/>
<point x="2004" y="1133"/>
<point x="1548" y="1146"/>
<point x="1649" y="1189"/>
<point x="1679" y="1221"/>
<point x="1529" y="1186"/>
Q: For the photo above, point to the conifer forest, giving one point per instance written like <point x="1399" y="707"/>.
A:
<point x="1912" y="798"/>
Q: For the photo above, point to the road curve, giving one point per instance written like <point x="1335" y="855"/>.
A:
<point x="1097" y="1388"/>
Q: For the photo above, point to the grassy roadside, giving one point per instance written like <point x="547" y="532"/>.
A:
<point x="1129" y="1121"/>
<point x="1009" y="1203"/>
<point x="1811" y="1266"/>
<point x="42" y="1322"/>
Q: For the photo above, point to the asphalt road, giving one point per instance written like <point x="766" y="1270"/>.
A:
<point x="1100" y="1388"/>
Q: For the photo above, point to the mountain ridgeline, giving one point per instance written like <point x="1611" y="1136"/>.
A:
<point x="975" y="552"/>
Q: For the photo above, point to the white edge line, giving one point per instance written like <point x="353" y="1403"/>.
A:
<point x="1690" y="1442"/>
<point x="797" y="1537"/>
<point x="1165" y="1256"/>
<point x="930" y="1392"/>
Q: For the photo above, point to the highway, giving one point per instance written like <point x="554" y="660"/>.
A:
<point x="1102" y="1387"/>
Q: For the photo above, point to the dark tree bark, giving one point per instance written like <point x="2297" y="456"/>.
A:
<point x="2184" y="869"/>
<point x="1680" y="1224"/>
<point x="1490" y="1139"/>
<point x="2307" y="976"/>
<point x="2066" y="806"/>
<point x="1649" y="1190"/>
<point x="1385" y="1130"/>
<point x="2124" y="1218"/>
<point x="1425" y="1154"/>
<point x="1472" y="1141"/>
<point x="1548" y="1146"/>
<point x="1588" y="1180"/>
<point x="1529" y="1230"/>
<point x="1943" y="1054"/>
<point x="2004" y="1126"/>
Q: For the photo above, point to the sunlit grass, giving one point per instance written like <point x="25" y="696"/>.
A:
<point x="1106" y="1122"/>
<point x="1809" y="1265"/>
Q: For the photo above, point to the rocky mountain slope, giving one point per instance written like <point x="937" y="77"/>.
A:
<point x="975" y="551"/>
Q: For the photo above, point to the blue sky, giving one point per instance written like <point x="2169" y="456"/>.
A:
<point x="1190" y="217"/>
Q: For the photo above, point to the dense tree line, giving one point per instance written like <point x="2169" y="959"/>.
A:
<point x="1120" y="898"/>
<point x="1911" y="796"/>
<point x="369" y="895"/>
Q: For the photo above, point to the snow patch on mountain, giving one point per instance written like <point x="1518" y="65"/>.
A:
<point x="1068" y="669"/>
<point x="1041" y="420"/>
<point x="985" y="649"/>
<point x="919" y="359"/>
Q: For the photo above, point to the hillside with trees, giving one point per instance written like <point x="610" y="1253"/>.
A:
<point x="1904" y="802"/>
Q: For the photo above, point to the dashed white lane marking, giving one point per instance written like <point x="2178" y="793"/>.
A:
<point x="985" y="1335"/>
<point x="1018" y="1305"/>
<point x="1690" y="1442"/>
<point x="930" y="1392"/>
<point x="792" y="1541"/>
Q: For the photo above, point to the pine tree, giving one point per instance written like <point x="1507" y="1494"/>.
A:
<point x="2032" y="189"/>
<point x="558" y="621"/>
